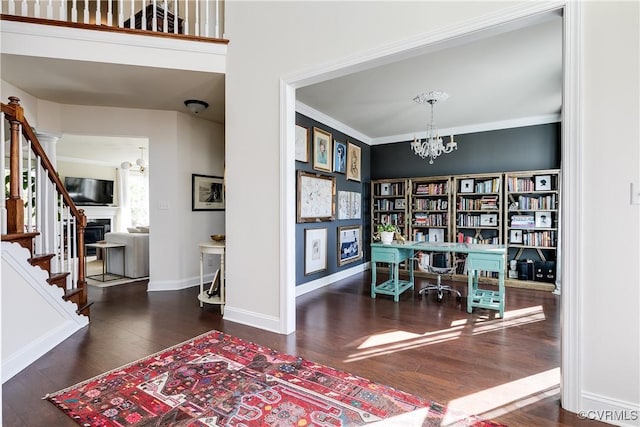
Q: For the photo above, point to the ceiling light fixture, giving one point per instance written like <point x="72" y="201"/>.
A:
<point x="142" y="167"/>
<point x="196" y="106"/>
<point x="432" y="146"/>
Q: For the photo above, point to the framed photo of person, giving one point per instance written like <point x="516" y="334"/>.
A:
<point x="515" y="236"/>
<point x="542" y="182"/>
<point x="349" y="244"/>
<point x="543" y="219"/>
<point x="322" y="152"/>
<point x="353" y="162"/>
<point x="467" y="186"/>
<point x="207" y="193"/>
<point x="302" y="144"/>
<point x="315" y="250"/>
<point x="339" y="156"/>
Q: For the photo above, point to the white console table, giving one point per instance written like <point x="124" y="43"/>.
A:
<point x="212" y="248"/>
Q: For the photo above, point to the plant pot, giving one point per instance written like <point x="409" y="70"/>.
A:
<point x="386" y="237"/>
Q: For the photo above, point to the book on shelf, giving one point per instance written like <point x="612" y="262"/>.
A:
<point x="523" y="221"/>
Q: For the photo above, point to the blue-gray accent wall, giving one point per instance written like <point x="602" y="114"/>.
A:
<point x="516" y="149"/>
<point x="342" y="184"/>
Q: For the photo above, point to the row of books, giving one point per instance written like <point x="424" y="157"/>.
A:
<point x="487" y="186"/>
<point x="432" y="188"/>
<point x="485" y="220"/>
<point x="430" y="204"/>
<point x="395" y="219"/>
<point x="483" y="203"/>
<point x="391" y="189"/>
<point x="529" y="203"/>
<point x="389" y="204"/>
<point x="433" y="235"/>
<point x="462" y="238"/>
<point x="520" y="184"/>
<point x="430" y="220"/>
<point x="545" y="239"/>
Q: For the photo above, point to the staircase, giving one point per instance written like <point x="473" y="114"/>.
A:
<point x="38" y="213"/>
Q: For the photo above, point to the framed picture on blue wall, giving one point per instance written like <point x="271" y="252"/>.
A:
<point x="349" y="244"/>
<point x="315" y="250"/>
<point x="339" y="156"/>
<point x="322" y="153"/>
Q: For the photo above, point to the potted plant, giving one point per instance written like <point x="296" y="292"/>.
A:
<point x="387" y="232"/>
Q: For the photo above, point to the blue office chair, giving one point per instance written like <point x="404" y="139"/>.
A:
<point x="440" y="270"/>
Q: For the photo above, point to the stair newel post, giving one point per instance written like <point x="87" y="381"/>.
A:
<point x="82" y="224"/>
<point x="15" y="205"/>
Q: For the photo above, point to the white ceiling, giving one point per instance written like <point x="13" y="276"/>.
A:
<point x="510" y="74"/>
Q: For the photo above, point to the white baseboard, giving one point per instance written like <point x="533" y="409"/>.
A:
<point x="272" y="323"/>
<point x="176" y="285"/>
<point x="327" y="280"/>
<point x="249" y="318"/>
<point x="28" y="354"/>
<point x="611" y="411"/>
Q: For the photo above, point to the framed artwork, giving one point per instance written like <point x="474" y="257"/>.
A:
<point x="542" y="182"/>
<point x="302" y="144"/>
<point x="515" y="236"/>
<point x="315" y="198"/>
<point x="399" y="204"/>
<point x="436" y="235"/>
<point x="339" y="156"/>
<point x="353" y="162"/>
<point x="349" y="205"/>
<point x="543" y="219"/>
<point x="466" y="186"/>
<point x="489" y="220"/>
<point x="315" y="250"/>
<point x="207" y="193"/>
<point x="349" y="244"/>
<point x="321" y="150"/>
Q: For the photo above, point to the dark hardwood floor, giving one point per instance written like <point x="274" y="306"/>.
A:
<point x="505" y="369"/>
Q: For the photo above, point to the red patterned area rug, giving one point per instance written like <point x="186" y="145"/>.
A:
<point x="220" y="380"/>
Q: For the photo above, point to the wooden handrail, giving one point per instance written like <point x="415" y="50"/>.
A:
<point x="106" y="28"/>
<point x="15" y="113"/>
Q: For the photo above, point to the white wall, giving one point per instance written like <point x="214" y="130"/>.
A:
<point x="85" y="170"/>
<point x="611" y="141"/>
<point x="288" y="38"/>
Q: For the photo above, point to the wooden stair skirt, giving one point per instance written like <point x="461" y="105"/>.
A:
<point x="512" y="283"/>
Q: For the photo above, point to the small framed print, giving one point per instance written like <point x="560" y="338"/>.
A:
<point x="207" y="193"/>
<point x="339" y="157"/>
<point x="353" y="162"/>
<point x="489" y="220"/>
<point x="515" y="236"/>
<point x="302" y="144"/>
<point x="349" y="244"/>
<point x="315" y="250"/>
<point x="322" y="152"/>
<point x="544" y="220"/>
<point x="399" y="204"/>
<point x="466" y="186"/>
<point x="543" y="182"/>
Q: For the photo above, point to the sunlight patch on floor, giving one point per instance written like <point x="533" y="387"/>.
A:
<point x="393" y="341"/>
<point x="499" y="400"/>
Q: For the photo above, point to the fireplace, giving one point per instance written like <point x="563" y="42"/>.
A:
<point x="94" y="232"/>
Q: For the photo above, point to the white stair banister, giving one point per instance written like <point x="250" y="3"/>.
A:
<point x="74" y="11"/>
<point x="186" y="17"/>
<point x="132" y="17"/>
<point x="165" y="20"/>
<point x="196" y="30"/>
<point x="86" y="15"/>
<point x="110" y="13"/>
<point x="143" y="21"/>
<point x="176" y="20"/>
<point x="98" y="13"/>
<point x="50" y="10"/>
<point x="3" y="166"/>
<point x="24" y="10"/>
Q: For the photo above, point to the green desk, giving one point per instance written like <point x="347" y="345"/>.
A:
<point x="479" y="257"/>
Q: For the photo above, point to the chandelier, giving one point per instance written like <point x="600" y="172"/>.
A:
<point x="432" y="146"/>
<point x="139" y="166"/>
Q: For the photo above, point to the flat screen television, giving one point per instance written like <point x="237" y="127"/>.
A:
<point x="89" y="191"/>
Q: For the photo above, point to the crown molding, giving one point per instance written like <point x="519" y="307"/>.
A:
<point x="331" y="122"/>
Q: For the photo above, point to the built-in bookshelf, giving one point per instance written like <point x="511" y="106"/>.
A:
<point x="532" y="213"/>
<point x="517" y="209"/>
<point x="389" y="204"/>
<point x="430" y="209"/>
<point x="478" y="209"/>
